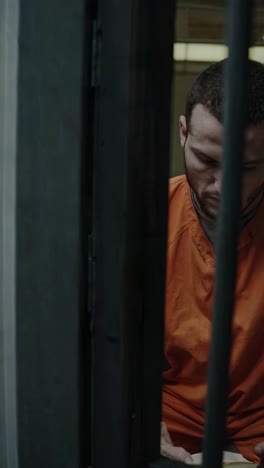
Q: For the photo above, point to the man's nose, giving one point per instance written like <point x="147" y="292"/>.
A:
<point x="218" y="182"/>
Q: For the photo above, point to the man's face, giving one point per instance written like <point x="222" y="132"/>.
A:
<point x="203" y="152"/>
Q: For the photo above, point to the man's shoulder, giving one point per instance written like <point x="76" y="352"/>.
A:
<point x="179" y="206"/>
<point x="177" y="186"/>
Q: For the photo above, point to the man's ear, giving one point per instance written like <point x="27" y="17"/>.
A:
<point x="183" y="130"/>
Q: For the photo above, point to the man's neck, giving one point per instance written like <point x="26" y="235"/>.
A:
<point x="209" y="224"/>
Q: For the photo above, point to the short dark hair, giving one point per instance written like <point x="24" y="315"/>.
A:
<point x="208" y="90"/>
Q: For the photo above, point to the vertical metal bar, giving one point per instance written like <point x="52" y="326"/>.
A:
<point x="131" y="172"/>
<point x="228" y="229"/>
<point x="86" y="239"/>
<point x="151" y="76"/>
<point x="8" y="107"/>
<point x="110" y="162"/>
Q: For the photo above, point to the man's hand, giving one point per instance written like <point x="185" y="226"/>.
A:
<point x="259" y="451"/>
<point x="167" y="449"/>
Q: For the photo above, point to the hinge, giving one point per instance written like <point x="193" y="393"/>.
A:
<point x="96" y="53"/>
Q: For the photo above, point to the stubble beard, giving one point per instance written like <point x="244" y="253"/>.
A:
<point x="207" y="212"/>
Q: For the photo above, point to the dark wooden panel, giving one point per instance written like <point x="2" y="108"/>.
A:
<point x="49" y="262"/>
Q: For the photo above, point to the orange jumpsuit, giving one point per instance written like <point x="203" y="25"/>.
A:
<point x="188" y="320"/>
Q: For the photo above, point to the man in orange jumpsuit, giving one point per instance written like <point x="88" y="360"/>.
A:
<point x="193" y="206"/>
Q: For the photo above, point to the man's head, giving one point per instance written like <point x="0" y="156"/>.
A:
<point x="201" y="135"/>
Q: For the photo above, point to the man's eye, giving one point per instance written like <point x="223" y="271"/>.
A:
<point x="208" y="161"/>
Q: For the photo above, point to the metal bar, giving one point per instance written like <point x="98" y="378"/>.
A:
<point x="152" y="147"/>
<point x="131" y="171"/>
<point x="110" y="162"/>
<point x="86" y="240"/>
<point x="8" y="104"/>
<point x="228" y="229"/>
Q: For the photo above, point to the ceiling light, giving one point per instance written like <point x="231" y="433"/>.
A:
<point x="201" y="52"/>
